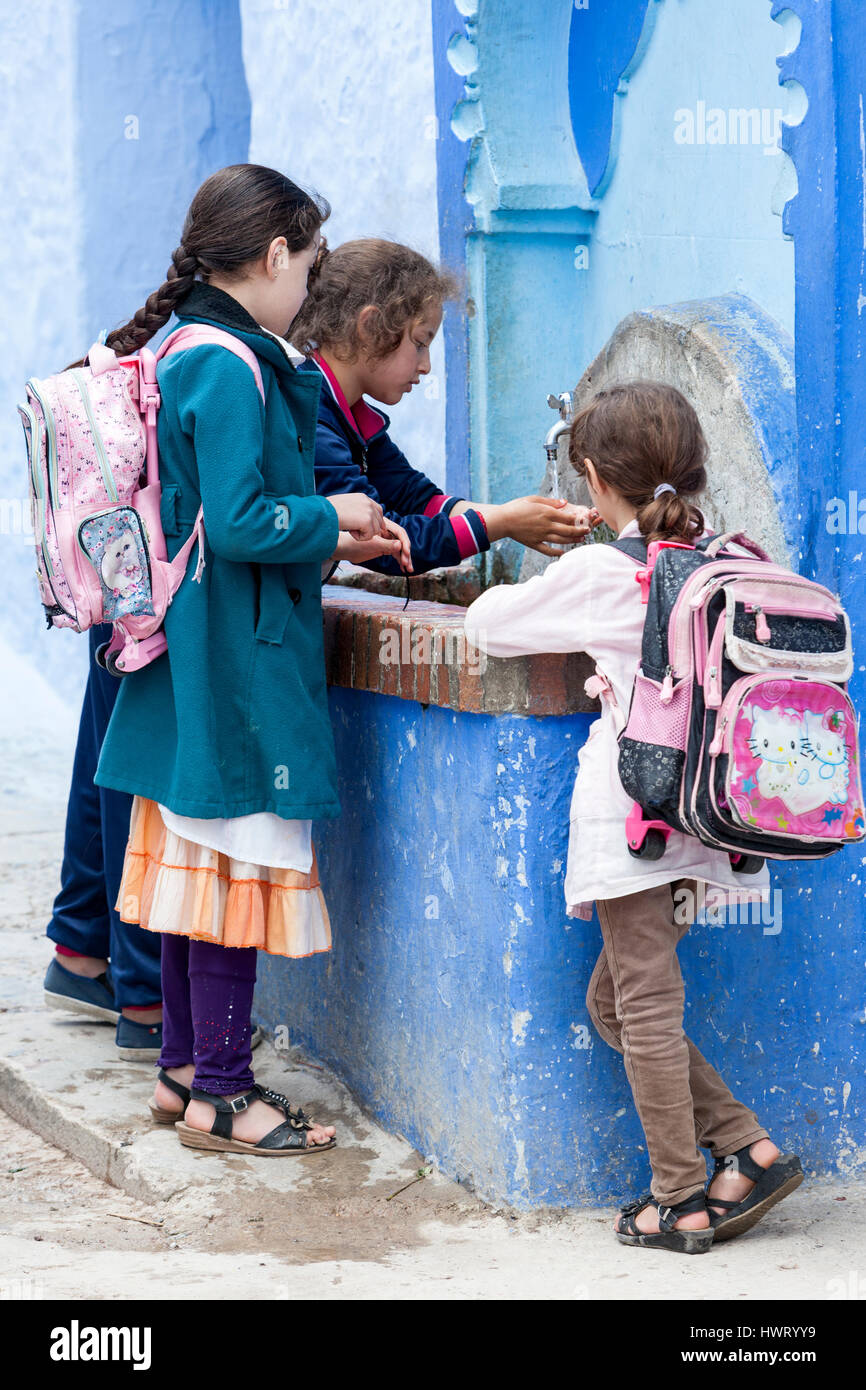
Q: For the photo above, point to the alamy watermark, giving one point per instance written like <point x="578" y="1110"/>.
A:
<point x="423" y="646"/>
<point x="21" y="1290"/>
<point x="847" y="516"/>
<point x="77" y="1343"/>
<point x="853" y="1287"/>
<point x="719" y="907"/>
<point x="740" y="125"/>
<point x="16" y="518"/>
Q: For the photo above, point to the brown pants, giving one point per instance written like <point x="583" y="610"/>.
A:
<point x="636" y="1000"/>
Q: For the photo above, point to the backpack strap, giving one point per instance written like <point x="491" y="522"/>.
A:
<point x="633" y="546"/>
<point x="711" y="545"/>
<point x="194" y="334"/>
<point x="598" y="686"/>
<point x="187" y="336"/>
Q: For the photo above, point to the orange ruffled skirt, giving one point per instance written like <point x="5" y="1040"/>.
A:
<point x="170" y="884"/>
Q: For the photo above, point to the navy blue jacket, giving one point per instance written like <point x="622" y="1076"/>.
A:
<point x="355" y="454"/>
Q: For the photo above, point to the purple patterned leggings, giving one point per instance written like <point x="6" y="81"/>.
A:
<point x="207" y="998"/>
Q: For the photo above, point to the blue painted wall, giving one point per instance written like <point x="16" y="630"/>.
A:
<point x="453" y="1001"/>
<point x="599" y="55"/>
<point x="42" y="310"/>
<point x="826" y="220"/>
<point x="455" y="221"/>
<point x="467" y="1030"/>
<point x="692" y="220"/>
<point x="531" y="206"/>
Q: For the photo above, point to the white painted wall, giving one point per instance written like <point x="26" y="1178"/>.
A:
<point x="42" y="322"/>
<point x="342" y="102"/>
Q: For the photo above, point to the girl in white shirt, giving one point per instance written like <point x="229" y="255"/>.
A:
<point x="641" y="450"/>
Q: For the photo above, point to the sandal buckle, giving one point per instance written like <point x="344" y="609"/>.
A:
<point x="237" y="1106"/>
<point x="634" y="1207"/>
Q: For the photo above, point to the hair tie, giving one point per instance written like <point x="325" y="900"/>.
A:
<point x="663" y="487"/>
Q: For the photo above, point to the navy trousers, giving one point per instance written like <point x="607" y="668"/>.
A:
<point x="97" y="827"/>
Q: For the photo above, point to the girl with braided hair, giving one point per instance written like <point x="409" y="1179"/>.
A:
<point x="224" y="742"/>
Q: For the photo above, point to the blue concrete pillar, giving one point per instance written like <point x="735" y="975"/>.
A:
<point x="162" y="103"/>
<point x="455" y="221"/>
<point x="528" y="223"/>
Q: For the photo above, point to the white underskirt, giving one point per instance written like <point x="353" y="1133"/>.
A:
<point x="261" y="838"/>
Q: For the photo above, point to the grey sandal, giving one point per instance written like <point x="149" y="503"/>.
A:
<point x="666" y="1237"/>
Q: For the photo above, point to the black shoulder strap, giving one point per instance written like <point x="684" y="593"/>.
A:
<point x="633" y="546"/>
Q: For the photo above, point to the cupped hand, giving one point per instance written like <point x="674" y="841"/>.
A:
<point x="404" y="553"/>
<point x="360" y="515"/>
<point x="544" y="523"/>
<point x="359" y="552"/>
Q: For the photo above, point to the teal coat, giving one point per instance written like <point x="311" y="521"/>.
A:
<point x="234" y="718"/>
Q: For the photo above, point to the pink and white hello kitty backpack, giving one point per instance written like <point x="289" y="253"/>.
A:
<point x="740" y="731"/>
<point x="95" y="496"/>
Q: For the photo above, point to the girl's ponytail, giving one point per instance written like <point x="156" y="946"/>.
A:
<point x="670" y="518"/>
<point x="646" y="442"/>
<point x="231" y="222"/>
<point x="158" y="307"/>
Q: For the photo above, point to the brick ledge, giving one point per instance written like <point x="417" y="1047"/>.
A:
<point x="420" y="652"/>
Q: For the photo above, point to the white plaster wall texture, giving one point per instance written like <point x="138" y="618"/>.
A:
<point x="42" y="312"/>
<point x="690" y="220"/>
<point x="343" y="102"/>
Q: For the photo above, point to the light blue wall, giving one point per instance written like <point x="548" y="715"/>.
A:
<point x="40" y="243"/>
<point x="692" y="221"/>
<point x="530" y="204"/>
<point x="117" y="113"/>
<point x="342" y="100"/>
<point x="170" y="75"/>
<point x="552" y="270"/>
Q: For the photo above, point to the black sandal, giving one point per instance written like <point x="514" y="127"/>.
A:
<point x="666" y="1237"/>
<point x="169" y="1117"/>
<point x="771" y="1184"/>
<point x="287" y="1138"/>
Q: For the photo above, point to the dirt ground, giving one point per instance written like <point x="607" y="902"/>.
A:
<point x="53" y="1200"/>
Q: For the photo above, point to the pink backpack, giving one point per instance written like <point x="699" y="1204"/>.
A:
<point x="740" y="730"/>
<point x="95" y="496"/>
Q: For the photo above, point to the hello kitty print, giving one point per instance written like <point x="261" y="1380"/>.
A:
<point x="793" y="768"/>
<point x="115" y="544"/>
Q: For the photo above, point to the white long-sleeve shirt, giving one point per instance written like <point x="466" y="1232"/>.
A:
<point x="589" y="601"/>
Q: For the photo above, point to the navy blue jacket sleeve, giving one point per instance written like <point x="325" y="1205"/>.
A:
<point x="403" y="492"/>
